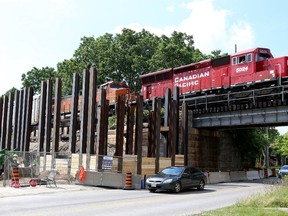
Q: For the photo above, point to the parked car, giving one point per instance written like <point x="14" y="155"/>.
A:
<point x="283" y="171"/>
<point x="177" y="178"/>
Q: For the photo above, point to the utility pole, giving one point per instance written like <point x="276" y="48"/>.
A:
<point x="266" y="161"/>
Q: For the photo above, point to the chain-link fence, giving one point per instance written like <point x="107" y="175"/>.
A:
<point x="21" y="167"/>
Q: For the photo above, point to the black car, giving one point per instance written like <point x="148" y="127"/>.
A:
<point x="177" y="178"/>
<point x="283" y="171"/>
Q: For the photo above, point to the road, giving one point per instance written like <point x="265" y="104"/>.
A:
<point x="103" y="201"/>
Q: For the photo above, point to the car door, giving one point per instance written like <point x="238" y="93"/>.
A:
<point x="196" y="176"/>
<point x="186" y="178"/>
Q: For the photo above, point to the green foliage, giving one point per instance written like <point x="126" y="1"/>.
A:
<point x="34" y="77"/>
<point x="66" y="69"/>
<point x="12" y="90"/>
<point x="216" y="54"/>
<point x="251" y="142"/>
<point x="280" y="146"/>
<point x="112" y="120"/>
<point x="266" y="203"/>
<point x="126" y="56"/>
<point x="121" y="57"/>
<point x="175" y="51"/>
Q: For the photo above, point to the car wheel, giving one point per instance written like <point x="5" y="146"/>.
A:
<point x="177" y="187"/>
<point x="152" y="190"/>
<point x="201" y="185"/>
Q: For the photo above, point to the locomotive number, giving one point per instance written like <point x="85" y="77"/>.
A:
<point x="242" y="69"/>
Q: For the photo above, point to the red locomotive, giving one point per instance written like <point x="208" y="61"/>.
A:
<point x="254" y="67"/>
<point x="113" y="89"/>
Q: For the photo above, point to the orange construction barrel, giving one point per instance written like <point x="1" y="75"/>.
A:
<point x="128" y="181"/>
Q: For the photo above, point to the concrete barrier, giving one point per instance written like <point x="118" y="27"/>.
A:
<point x="253" y="175"/>
<point x="238" y="176"/>
<point x="261" y="173"/>
<point x="218" y="177"/>
<point x="109" y="179"/>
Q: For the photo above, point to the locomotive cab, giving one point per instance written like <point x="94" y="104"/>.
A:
<point x="251" y="67"/>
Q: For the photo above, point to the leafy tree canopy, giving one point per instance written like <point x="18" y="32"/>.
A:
<point x="280" y="146"/>
<point x="252" y="142"/>
<point x="12" y="90"/>
<point x="121" y="57"/>
<point x="34" y="77"/>
<point x="126" y="56"/>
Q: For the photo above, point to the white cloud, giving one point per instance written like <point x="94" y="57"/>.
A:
<point x="209" y="28"/>
<point x="170" y="8"/>
<point x="242" y="35"/>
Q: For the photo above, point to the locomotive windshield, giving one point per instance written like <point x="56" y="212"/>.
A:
<point x="114" y="85"/>
<point x="117" y="85"/>
<point x="263" y="54"/>
<point x="261" y="57"/>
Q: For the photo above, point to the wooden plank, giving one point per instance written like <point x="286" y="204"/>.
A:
<point x="151" y="133"/>
<point x="84" y="115"/>
<point x="42" y="112"/>
<point x="48" y="114"/>
<point x="28" y="116"/>
<point x="166" y="106"/>
<point x="90" y="149"/>
<point x="130" y="129"/>
<point x="139" y="133"/>
<point x="1" y="110"/>
<point x="102" y="148"/>
<point x="105" y="125"/>
<point x="48" y="117"/>
<point x="176" y="119"/>
<point x="56" y="120"/>
<point x="23" y="120"/>
<point x="172" y="132"/>
<point x="157" y="133"/>
<point x="101" y="124"/>
<point x="120" y="130"/>
<point x="19" y="124"/>
<point x="9" y="121"/>
<point x="74" y="112"/>
<point x="15" y="119"/>
<point x="184" y="132"/>
<point x="4" y="122"/>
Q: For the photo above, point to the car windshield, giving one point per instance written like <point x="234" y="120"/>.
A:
<point x="284" y="168"/>
<point x="172" y="171"/>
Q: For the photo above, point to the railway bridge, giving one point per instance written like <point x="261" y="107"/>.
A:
<point x="212" y="116"/>
<point x="194" y="126"/>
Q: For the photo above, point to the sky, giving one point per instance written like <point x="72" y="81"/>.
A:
<point x="40" y="33"/>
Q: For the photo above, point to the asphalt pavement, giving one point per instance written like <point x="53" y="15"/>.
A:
<point x="10" y="191"/>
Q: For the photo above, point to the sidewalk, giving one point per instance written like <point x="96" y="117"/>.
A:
<point x="9" y="191"/>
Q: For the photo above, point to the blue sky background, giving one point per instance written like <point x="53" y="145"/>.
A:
<point x="40" y="33"/>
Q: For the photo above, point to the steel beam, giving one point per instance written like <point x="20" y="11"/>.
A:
<point x="273" y="116"/>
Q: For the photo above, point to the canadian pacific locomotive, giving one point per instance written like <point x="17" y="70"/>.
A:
<point x="253" y="68"/>
<point x="113" y="89"/>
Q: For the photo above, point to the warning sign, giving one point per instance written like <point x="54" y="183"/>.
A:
<point x="107" y="162"/>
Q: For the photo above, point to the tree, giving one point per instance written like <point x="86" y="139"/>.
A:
<point x="133" y="51"/>
<point x="216" y="54"/>
<point x="175" y="51"/>
<point x="97" y="52"/>
<point x="126" y="56"/>
<point x="121" y="57"/>
<point x="34" y="77"/>
<point x="280" y="146"/>
<point x="66" y="69"/>
<point x="252" y="143"/>
<point x="12" y="90"/>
